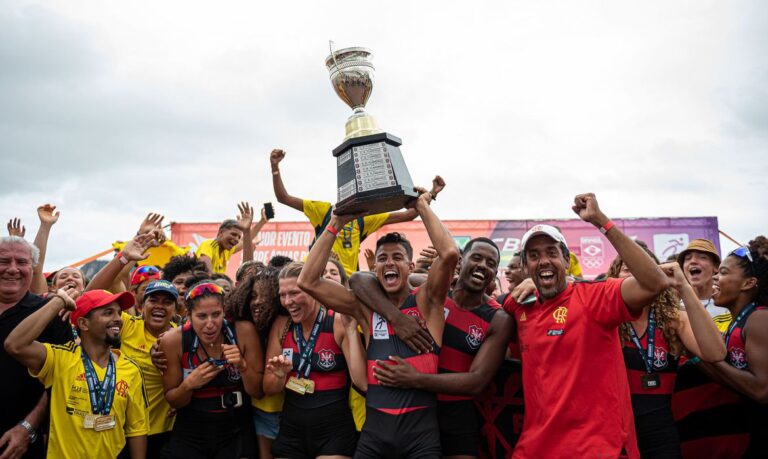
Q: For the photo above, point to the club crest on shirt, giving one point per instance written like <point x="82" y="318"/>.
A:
<point x="233" y="374"/>
<point x="660" y="358"/>
<point x="737" y="358"/>
<point x="560" y="314"/>
<point x="326" y="359"/>
<point x="475" y="336"/>
<point x="121" y="388"/>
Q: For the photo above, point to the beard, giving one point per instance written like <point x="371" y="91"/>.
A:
<point x="113" y="341"/>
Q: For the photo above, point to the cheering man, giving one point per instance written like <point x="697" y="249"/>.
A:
<point x="97" y="394"/>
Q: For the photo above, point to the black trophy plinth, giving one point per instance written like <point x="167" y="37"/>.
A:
<point x="371" y="175"/>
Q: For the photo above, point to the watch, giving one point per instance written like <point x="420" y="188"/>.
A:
<point x="30" y="430"/>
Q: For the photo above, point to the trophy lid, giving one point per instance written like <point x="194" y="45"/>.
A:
<point x="355" y="55"/>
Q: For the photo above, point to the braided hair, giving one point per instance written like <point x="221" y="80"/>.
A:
<point x="758" y="249"/>
<point x="665" y="306"/>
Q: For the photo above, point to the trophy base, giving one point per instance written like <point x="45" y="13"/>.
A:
<point x="371" y="175"/>
<point x="360" y="125"/>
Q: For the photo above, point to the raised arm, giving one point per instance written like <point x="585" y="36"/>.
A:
<point x="407" y="215"/>
<point x="250" y="233"/>
<point x="47" y="219"/>
<point x="277" y="183"/>
<point x="21" y="343"/>
<point x="483" y="367"/>
<point x="329" y="293"/>
<point x="697" y="330"/>
<point x="432" y="294"/>
<point x="133" y="251"/>
<point x="647" y="279"/>
<point x="412" y="330"/>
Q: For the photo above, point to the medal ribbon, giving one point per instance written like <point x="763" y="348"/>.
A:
<point x="742" y="315"/>
<point x="648" y="355"/>
<point x="228" y="336"/>
<point x="306" y="347"/>
<point x="102" y="394"/>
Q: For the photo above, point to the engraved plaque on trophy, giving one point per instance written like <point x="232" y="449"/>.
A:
<point x="371" y="174"/>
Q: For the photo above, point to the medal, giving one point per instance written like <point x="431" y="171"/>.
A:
<point x="295" y="385"/>
<point x="104" y="423"/>
<point x="88" y="421"/>
<point x="650" y="381"/>
<point x="309" y="385"/>
<point x="346" y="240"/>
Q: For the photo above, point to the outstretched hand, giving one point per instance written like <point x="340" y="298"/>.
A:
<point x="135" y="249"/>
<point x="47" y="215"/>
<point x="245" y="219"/>
<point x="15" y="228"/>
<point x="151" y="222"/>
<point x="279" y="366"/>
<point x="586" y="207"/>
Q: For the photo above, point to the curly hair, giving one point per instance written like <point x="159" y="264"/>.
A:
<point x="666" y="308"/>
<point x="238" y="303"/>
<point x="182" y="264"/>
<point x="758" y="248"/>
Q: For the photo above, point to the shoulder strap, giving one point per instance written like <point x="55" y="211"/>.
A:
<point x="319" y="229"/>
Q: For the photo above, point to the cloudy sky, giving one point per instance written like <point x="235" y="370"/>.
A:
<point x="112" y="109"/>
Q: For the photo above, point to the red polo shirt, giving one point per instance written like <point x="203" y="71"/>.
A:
<point x="577" y="401"/>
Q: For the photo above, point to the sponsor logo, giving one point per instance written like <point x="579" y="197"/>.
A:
<point x="80" y="377"/>
<point x="555" y="332"/>
<point x="665" y="244"/>
<point x="380" y="327"/>
<point x="326" y="359"/>
<point x="738" y="358"/>
<point x="592" y="251"/>
<point x="560" y="314"/>
<point x="446" y="311"/>
<point x="288" y="353"/>
<point x="660" y="358"/>
<point x="522" y="318"/>
<point x="121" y="388"/>
<point x="475" y="336"/>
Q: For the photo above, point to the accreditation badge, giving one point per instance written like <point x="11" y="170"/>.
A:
<point x="89" y="421"/>
<point x="650" y="381"/>
<point x="104" y="423"/>
<point x="296" y="386"/>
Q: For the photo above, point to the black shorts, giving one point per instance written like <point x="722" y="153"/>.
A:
<point x="410" y="435"/>
<point x="657" y="436"/>
<point x="310" y="432"/>
<point x="459" y="428"/>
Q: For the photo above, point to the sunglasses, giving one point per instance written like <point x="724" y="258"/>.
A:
<point x="143" y="273"/>
<point x="202" y="289"/>
<point x="743" y="252"/>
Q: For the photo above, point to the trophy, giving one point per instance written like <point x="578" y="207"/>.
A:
<point x="371" y="174"/>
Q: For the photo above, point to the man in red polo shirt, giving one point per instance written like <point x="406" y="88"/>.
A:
<point x="577" y="400"/>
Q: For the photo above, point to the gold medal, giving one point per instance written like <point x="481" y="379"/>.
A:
<point x="104" y="423"/>
<point x="88" y="421"/>
<point x="309" y="385"/>
<point x="295" y="385"/>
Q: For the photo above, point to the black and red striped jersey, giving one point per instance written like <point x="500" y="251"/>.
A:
<point x="644" y="399"/>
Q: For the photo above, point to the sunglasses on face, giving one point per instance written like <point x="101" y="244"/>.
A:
<point x="743" y="252"/>
<point x="202" y="289"/>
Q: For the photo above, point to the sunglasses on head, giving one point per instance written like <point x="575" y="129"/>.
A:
<point x="743" y="252"/>
<point x="148" y="269"/>
<point x="202" y="289"/>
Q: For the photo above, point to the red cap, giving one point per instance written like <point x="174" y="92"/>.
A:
<point x="94" y="299"/>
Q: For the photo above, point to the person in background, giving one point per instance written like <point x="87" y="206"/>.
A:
<point x="23" y="397"/>
<point x="114" y="412"/>
<point x="699" y="262"/>
<point x="347" y="245"/>
<point x="215" y="253"/>
<point x="140" y="279"/>
<point x="178" y="271"/>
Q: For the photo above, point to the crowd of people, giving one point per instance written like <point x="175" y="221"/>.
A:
<point x="162" y="355"/>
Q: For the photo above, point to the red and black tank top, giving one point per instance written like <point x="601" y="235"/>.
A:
<point x="229" y="380"/>
<point x="328" y="367"/>
<point x="735" y="341"/>
<point x="465" y="331"/>
<point x="384" y="343"/>
<point x="649" y="399"/>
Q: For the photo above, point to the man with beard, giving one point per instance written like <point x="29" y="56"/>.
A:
<point x="474" y="341"/>
<point x="699" y="262"/>
<point x="97" y="394"/>
<point x="577" y="401"/>
<point x="23" y="398"/>
<point x="399" y="422"/>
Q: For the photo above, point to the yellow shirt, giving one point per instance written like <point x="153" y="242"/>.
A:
<point x="348" y="256"/>
<point x="136" y="343"/>
<point x="575" y="268"/>
<point x="158" y="256"/>
<point x="64" y="374"/>
<point x="269" y="403"/>
<point x="219" y="258"/>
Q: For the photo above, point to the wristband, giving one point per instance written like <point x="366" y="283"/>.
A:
<point x="607" y="227"/>
<point x="434" y="195"/>
<point x="30" y="430"/>
<point x="121" y="258"/>
<point x="276" y="172"/>
<point x="332" y="230"/>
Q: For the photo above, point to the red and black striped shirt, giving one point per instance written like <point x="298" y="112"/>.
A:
<point x="646" y="400"/>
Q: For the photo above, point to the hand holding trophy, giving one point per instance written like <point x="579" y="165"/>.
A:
<point x="371" y="174"/>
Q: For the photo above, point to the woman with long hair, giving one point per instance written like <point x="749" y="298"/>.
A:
<point x="211" y="363"/>
<point x="652" y="345"/>
<point x="312" y="355"/>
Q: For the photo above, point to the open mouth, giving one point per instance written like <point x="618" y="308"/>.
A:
<point x="547" y="276"/>
<point x="694" y="271"/>
<point x="391" y="278"/>
<point x="478" y="275"/>
<point x="115" y="329"/>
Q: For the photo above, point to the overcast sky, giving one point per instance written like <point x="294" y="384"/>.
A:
<point x="112" y="109"/>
